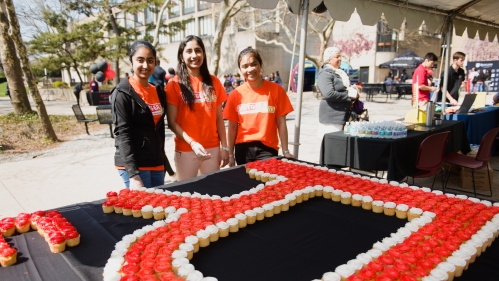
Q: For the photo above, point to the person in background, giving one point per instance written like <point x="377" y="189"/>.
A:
<point x="7" y="91"/>
<point x="158" y="76"/>
<point x="238" y="79"/>
<point x="337" y="94"/>
<point x="229" y="87"/>
<point x="455" y="78"/>
<point x="257" y="113"/>
<point x="277" y="78"/>
<point x="126" y="75"/>
<point x="389" y="78"/>
<point x="488" y="80"/>
<point x="473" y="79"/>
<point x="76" y="91"/>
<point x="420" y="79"/>
<point x="272" y="77"/>
<point x="138" y="116"/>
<point x="94" y="85"/>
<point x="481" y="80"/>
<point x="195" y="99"/>
<point x="403" y="76"/>
<point x="169" y="76"/>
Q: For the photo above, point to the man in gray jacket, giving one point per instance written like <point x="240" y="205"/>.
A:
<point x="337" y="94"/>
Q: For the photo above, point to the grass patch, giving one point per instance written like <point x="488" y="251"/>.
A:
<point x="23" y="133"/>
<point x="3" y="89"/>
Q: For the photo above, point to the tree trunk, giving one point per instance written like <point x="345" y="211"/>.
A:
<point x="223" y="18"/>
<point x="12" y="67"/>
<point x="117" y="32"/>
<point x="48" y="131"/>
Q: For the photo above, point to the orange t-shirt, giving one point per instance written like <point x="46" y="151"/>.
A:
<point x="150" y="97"/>
<point x="201" y="122"/>
<point x="256" y="112"/>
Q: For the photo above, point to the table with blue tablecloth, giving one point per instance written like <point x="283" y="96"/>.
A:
<point x="479" y="123"/>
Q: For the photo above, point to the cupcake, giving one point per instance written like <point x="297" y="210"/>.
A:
<point x="258" y="176"/>
<point x="327" y="192"/>
<point x="204" y="238"/>
<point x="158" y="213"/>
<point x="252" y="173"/>
<point x="194" y="241"/>
<point x="118" y="207"/>
<point x="185" y="270"/>
<point x="188" y="248"/>
<point x="137" y="211"/>
<point x="331" y="276"/>
<point x="336" y="195"/>
<point x="458" y="263"/>
<point x="448" y="268"/>
<point x="265" y="177"/>
<point x="299" y="196"/>
<point x="277" y="207"/>
<point x="8" y="256"/>
<point x="260" y="213"/>
<point x="439" y="274"/>
<point x="72" y="238"/>
<point x="377" y="206"/>
<point x="223" y="229"/>
<point x="346" y="198"/>
<point x="57" y="243"/>
<point x="194" y="276"/>
<point x="127" y="209"/>
<point x="292" y="199"/>
<point x="250" y="216"/>
<point x="107" y="207"/>
<point x="177" y="263"/>
<point x="284" y="205"/>
<point x="414" y="213"/>
<point x="344" y="271"/>
<point x="242" y="220"/>
<point x="356" y="200"/>
<point x="318" y="190"/>
<point x="269" y="210"/>
<point x="146" y="212"/>
<point x="213" y="230"/>
<point x="389" y="208"/>
<point x="233" y="225"/>
<point x="367" y="202"/>
<point x="401" y="211"/>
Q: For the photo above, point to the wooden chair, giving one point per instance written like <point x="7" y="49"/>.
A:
<point x="81" y="117"/>
<point x="480" y="161"/>
<point x="431" y="156"/>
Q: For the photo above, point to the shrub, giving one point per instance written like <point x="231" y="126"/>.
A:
<point x="60" y="84"/>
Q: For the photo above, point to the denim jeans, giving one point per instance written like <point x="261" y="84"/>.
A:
<point x="149" y="178"/>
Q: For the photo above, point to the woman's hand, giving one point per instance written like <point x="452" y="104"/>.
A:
<point x="199" y="150"/>
<point x="289" y="155"/>
<point x="136" y="182"/>
<point x="224" y="158"/>
<point x="232" y="161"/>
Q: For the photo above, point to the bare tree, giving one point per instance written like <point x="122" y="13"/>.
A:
<point x="12" y="66"/>
<point x="30" y="78"/>
<point x="319" y="25"/>
<point x="477" y="50"/>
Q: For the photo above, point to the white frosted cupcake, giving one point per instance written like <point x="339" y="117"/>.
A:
<point x="355" y="264"/>
<point x="439" y="274"/>
<point x="242" y="220"/>
<point x="204" y="238"/>
<point x="258" y="176"/>
<point x="346" y="198"/>
<point x="414" y="213"/>
<point x="209" y="279"/>
<point x="364" y="258"/>
<point x="356" y="200"/>
<point x="448" y="268"/>
<point x="250" y="216"/>
<point x="269" y="210"/>
<point x="318" y="190"/>
<point x="381" y="246"/>
<point x="336" y="195"/>
<point x="367" y="202"/>
<point x="265" y="177"/>
<point x="158" y="213"/>
<point x="344" y="271"/>
<point x="185" y="270"/>
<point x="377" y="206"/>
<point x="292" y="199"/>
<point x="223" y="229"/>
<point x="394" y="183"/>
<point x="459" y="264"/>
<point x="284" y="205"/>
<point x="177" y="263"/>
<point x="389" y="208"/>
<point x="194" y="241"/>
<point x="401" y="211"/>
<point x="147" y="212"/>
<point x="252" y="173"/>
<point x="260" y="213"/>
<point x="194" y="276"/>
<point x="331" y="276"/>
<point x="169" y="210"/>
<point x="299" y="196"/>
<point x="233" y="225"/>
<point x="277" y="207"/>
<point x="374" y="253"/>
<point x="178" y="254"/>
<point x="213" y="230"/>
<point x="188" y="248"/>
<point x="327" y="192"/>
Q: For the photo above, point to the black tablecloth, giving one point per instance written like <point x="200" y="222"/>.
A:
<point x="301" y="244"/>
<point x="397" y="156"/>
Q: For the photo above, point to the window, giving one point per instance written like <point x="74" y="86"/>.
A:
<point x="162" y="38"/>
<point x="190" y="28"/>
<point x="176" y="37"/>
<point x="119" y="19"/>
<point x="205" y="26"/>
<point x="386" y="38"/>
<point x="189" y="6"/>
<point x="149" y="15"/>
<point x="139" y="19"/>
<point x="175" y="9"/>
<point x="129" y="20"/>
<point x="203" y="5"/>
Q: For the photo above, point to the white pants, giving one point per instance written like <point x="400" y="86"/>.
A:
<point x="323" y="129"/>
<point x="188" y="164"/>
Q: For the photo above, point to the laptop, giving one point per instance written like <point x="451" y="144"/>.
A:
<point x="468" y="101"/>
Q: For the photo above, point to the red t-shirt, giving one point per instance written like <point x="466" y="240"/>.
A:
<point x="420" y="76"/>
<point x="200" y="123"/>
<point x="256" y="112"/>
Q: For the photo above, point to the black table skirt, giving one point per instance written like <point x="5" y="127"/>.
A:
<point x="301" y="244"/>
<point x="396" y="156"/>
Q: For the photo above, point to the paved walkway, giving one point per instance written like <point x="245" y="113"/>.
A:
<point x="51" y="181"/>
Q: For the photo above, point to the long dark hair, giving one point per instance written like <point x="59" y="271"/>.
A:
<point x="183" y="74"/>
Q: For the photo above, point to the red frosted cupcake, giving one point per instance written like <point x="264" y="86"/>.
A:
<point x="8" y="256"/>
<point x="7" y="227"/>
<point x="72" y="238"/>
<point x="57" y="243"/>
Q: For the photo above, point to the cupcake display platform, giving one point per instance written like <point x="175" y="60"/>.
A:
<point x="307" y="241"/>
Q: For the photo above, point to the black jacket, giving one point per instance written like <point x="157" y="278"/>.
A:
<point x="139" y="143"/>
<point x="334" y="107"/>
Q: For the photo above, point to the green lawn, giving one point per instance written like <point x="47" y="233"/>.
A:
<point x="3" y="89"/>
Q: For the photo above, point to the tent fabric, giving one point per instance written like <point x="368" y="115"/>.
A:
<point x="408" y="59"/>
<point x="432" y="12"/>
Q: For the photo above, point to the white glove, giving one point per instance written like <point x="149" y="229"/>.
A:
<point x="136" y="182"/>
<point x="199" y="150"/>
<point x="353" y="92"/>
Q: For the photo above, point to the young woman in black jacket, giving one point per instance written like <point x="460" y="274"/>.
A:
<point x="138" y="115"/>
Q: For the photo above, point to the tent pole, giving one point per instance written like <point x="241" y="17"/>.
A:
<point x="446" y="67"/>
<point x="301" y="73"/>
